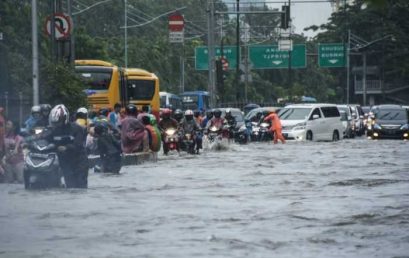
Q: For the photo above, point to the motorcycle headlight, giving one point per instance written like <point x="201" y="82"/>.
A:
<point x="404" y="127"/>
<point x="38" y="130"/>
<point x="213" y="128"/>
<point x="376" y="126"/>
<point x="264" y="125"/>
<point x="170" y="132"/>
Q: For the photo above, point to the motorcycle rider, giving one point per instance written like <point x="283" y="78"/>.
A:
<point x="178" y="115"/>
<point x="114" y="115"/>
<point x="45" y="112"/>
<point x="109" y="149"/>
<point x="134" y="138"/>
<point x="34" y="119"/>
<point x="189" y="125"/>
<point x="231" y="122"/>
<point x="217" y="120"/>
<point x="165" y="123"/>
<point x="198" y="117"/>
<point x="81" y="117"/>
<point x="206" y="119"/>
<point x="70" y="141"/>
<point x="275" y="126"/>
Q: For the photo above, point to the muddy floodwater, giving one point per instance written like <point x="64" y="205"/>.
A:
<point x="342" y="199"/>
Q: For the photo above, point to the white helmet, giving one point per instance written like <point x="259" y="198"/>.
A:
<point x="188" y="112"/>
<point x="58" y="114"/>
<point x="35" y="109"/>
<point x="82" y="110"/>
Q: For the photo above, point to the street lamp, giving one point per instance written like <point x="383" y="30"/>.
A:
<point x="361" y="45"/>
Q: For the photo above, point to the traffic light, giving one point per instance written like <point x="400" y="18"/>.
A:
<point x="219" y="72"/>
<point x="285" y="16"/>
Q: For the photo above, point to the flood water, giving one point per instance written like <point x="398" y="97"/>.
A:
<point x="343" y="199"/>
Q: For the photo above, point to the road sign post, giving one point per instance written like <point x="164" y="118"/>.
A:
<point x="176" y="28"/>
<point x="331" y="55"/>
<point x="270" y="57"/>
<point x="63" y="26"/>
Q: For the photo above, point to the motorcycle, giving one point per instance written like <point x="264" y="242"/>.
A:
<point x="241" y="135"/>
<point x="261" y="132"/>
<point x="188" y="142"/>
<point x="41" y="168"/>
<point x="171" y="140"/>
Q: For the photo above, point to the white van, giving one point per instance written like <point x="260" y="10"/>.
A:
<point x="318" y="122"/>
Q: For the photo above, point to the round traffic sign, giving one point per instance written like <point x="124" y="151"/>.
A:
<point x="176" y="22"/>
<point x="63" y="25"/>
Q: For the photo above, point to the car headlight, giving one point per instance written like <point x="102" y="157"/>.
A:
<point x="404" y="127"/>
<point x="376" y="126"/>
<point x="264" y="125"/>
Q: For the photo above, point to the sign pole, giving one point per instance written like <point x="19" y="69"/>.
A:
<point x="35" y="52"/>
<point x="348" y="64"/>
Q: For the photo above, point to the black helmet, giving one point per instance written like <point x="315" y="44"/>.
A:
<point x="178" y="114"/>
<point x="104" y="112"/>
<point x="45" y="109"/>
<point x="146" y="120"/>
<point x="217" y="113"/>
<point x="209" y="114"/>
<point x="196" y="113"/>
<point x="131" y="109"/>
<point x="99" y="129"/>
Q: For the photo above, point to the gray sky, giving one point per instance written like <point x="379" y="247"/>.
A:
<point x="306" y="14"/>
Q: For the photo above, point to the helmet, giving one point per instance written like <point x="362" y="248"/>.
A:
<point x="166" y="113"/>
<point x="189" y="115"/>
<point x="228" y="112"/>
<point x="99" y="129"/>
<point x="35" y="109"/>
<point x="45" y="109"/>
<point x="178" y="114"/>
<point x="217" y="113"/>
<point x="82" y="110"/>
<point x="209" y="114"/>
<point x="104" y="112"/>
<point x="196" y="113"/>
<point x="131" y="109"/>
<point x="146" y="120"/>
<point x="59" y="114"/>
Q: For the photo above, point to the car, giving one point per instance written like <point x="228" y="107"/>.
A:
<point x="247" y="108"/>
<point x="390" y="122"/>
<point x="311" y="122"/>
<point x="347" y="121"/>
<point x="262" y="111"/>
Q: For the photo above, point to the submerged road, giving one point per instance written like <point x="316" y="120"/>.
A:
<point x="331" y="199"/>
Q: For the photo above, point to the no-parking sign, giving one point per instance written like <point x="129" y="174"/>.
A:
<point x="63" y="26"/>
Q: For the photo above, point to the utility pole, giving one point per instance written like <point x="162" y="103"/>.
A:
<point x="126" y="32"/>
<point x="364" y="77"/>
<point x="238" y="49"/>
<point x="348" y="64"/>
<point x="211" y="51"/>
<point x="36" y="94"/>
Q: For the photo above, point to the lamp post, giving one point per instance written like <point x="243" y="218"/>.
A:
<point x="361" y="45"/>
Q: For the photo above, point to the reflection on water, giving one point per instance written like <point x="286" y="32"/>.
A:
<point x="345" y="199"/>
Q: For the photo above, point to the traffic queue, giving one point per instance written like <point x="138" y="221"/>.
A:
<point x="54" y="147"/>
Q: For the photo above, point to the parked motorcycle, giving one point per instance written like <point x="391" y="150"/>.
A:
<point x="42" y="168"/>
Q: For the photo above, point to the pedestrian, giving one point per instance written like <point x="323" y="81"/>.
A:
<point x="2" y="132"/>
<point x="276" y="127"/>
<point x="114" y="115"/>
<point x="13" y="161"/>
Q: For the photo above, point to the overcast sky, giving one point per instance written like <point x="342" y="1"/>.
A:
<point x="307" y="14"/>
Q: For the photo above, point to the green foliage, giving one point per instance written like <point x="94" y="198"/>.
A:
<point x="62" y="86"/>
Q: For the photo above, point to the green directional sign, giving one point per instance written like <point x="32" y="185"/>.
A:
<point x="269" y="57"/>
<point x="202" y="56"/>
<point x="331" y="55"/>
